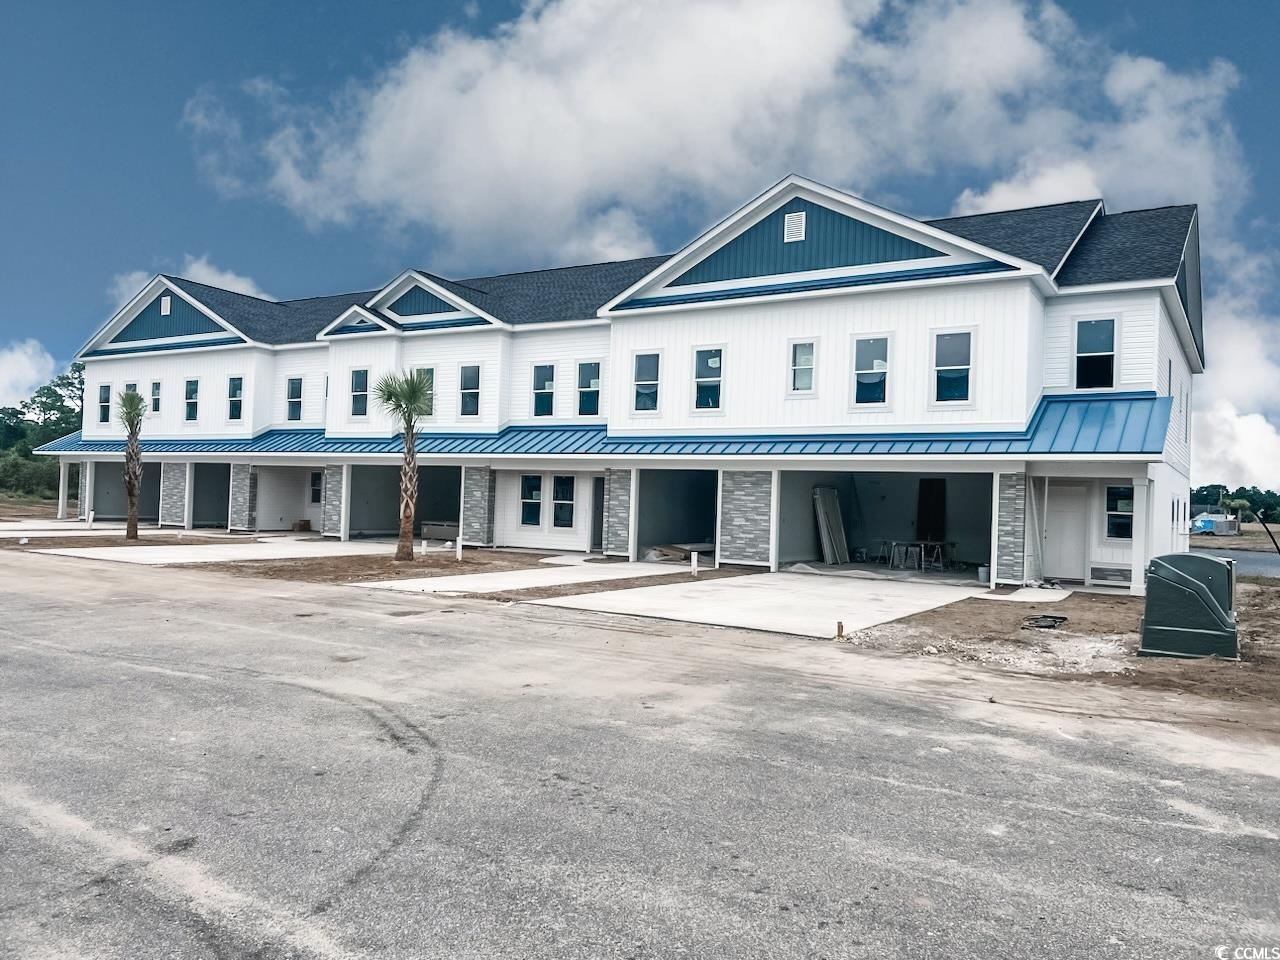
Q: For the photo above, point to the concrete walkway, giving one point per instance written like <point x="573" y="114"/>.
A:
<point x="795" y="603"/>
<point x="267" y="548"/>
<point x="542" y="576"/>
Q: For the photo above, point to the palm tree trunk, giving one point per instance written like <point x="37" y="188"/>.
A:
<point x="408" y="494"/>
<point x="132" y="484"/>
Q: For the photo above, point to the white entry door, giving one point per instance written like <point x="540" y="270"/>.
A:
<point x="1066" y="516"/>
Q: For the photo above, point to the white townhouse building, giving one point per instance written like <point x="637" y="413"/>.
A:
<point x="1016" y="385"/>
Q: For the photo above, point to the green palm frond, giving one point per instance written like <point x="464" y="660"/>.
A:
<point x="130" y="408"/>
<point x="406" y="396"/>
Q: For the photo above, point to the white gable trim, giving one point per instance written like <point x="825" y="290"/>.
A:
<point x="754" y="211"/>
<point x="1098" y="209"/>
<point x="130" y="310"/>
<point x="412" y="278"/>
<point x="356" y="312"/>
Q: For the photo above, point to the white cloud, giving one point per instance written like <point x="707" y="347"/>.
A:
<point x="24" y="366"/>
<point x="125" y="286"/>
<point x="1235" y="448"/>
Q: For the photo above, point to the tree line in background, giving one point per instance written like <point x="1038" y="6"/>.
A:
<point x="1248" y="502"/>
<point x="53" y="411"/>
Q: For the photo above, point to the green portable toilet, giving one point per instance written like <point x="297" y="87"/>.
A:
<point x="1191" y="608"/>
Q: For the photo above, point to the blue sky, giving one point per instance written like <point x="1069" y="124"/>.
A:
<point x="302" y="149"/>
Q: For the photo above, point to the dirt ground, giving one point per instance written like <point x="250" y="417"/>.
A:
<point x="116" y="540"/>
<point x="1098" y="642"/>
<point x="601" y="586"/>
<point x="16" y="508"/>
<point x="348" y="569"/>
<point x="1252" y="537"/>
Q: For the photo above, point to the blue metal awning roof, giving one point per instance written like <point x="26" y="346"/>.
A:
<point x="1092" y="424"/>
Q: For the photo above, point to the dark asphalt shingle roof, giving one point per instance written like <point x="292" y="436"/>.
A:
<point x="1041" y="235"/>
<point x="1136" y="245"/>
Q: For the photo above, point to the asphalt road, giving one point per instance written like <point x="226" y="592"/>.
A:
<point x="197" y="766"/>
<point x="1257" y="563"/>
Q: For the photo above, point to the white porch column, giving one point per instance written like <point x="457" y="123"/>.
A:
<point x="64" y="475"/>
<point x="344" y="524"/>
<point x="775" y="502"/>
<point x="189" y="498"/>
<point x="1141" y="546"/>
<point x="88" y="467"/>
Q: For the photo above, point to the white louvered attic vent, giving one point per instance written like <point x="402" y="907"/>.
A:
<point x="793" y="227"/>
<point x="166" y="305"/>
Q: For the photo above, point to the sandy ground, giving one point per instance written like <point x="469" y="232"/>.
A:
<point x="603" y="586"/>
<point x="16" y="509"/>
<point x="354" y="568"/>
<point x="1098" y="642"/>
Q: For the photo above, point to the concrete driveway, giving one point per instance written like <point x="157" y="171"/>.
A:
<point x="551" y="574"/>
<point x="194" y="765"/>
<point x="805" y="605"/>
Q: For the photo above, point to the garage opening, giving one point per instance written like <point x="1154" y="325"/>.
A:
<point x="896" y="524"/>
<point x="290" y="498"/>
<point x="211" y="495"/>
<point x="109" y="500"/>
<point x="675" y="513"/>
<point x="375" y="501"/>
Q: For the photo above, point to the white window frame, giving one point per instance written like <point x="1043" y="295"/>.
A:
<point x="186" y="382"/>
<point x="657" y="407"/>
<point x="717" y="410"/>
<point x="478" y="391"/>
<point x="534" y="392"/>
<point x="429" y="368"/>
<point x="889" y="381"/>
<point x="520" y="497"/>
<point x="166" y="305"/>
<point x="153" y="401"/>
<point x="598" y="389"/>
<point x="239" y="419"/>
<point x="572" y="501"/>
<point x="107" y="405"/>
<point x="352" y="393"/>
<point x="971" y="400"/>
<point x="1075" y="350"/>
<point x="302" y="389"/>
<point x="313" y="489"/>
<point x="1107" y="485"/>
<point x="791" y="367"/>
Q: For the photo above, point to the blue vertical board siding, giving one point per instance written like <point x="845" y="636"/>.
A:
<point x="831" y="240"/>
<point x="184" y="320"/>
<point x="418" y="302"/>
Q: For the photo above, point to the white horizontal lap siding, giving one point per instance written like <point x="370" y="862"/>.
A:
<point x="1136" y="314"/>
<point x="447" y="353"/>
<point x="508" y="531"/>
<point x="756" y="339"/>
<point x="565" y="349"/>
<point x="311" y="365"/>
<point x="213" y="369"/>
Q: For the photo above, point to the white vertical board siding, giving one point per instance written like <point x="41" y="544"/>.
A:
<point x="1177" y="448"/>
<point x="377" y="354"/>
<point x="1136" y="314"/>
<point x="310" y="364"/>
<point x="565" y="349"/>
<point x="508" y="531"/>
<point x="756" y="338"/>
<point x="211" y="367"/>
<point x="446" y="353"/>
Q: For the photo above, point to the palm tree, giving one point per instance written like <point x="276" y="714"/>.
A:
<point x="407" y="397"/>
<point x="131" y="409"/>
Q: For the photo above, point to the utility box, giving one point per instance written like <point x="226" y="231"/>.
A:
<point x="1191" y="608"/>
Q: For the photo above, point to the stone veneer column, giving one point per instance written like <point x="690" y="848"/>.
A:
<point x="617" y="512"/>
<point x="479" y="493"/>
<point x="746" y="498"/>
<point x="244" y="497"/>
<point x="173" y="494"/>
<point x="331" y="519"/>
<point x="82" y="491"/>
<point x="1011" y="529"/>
